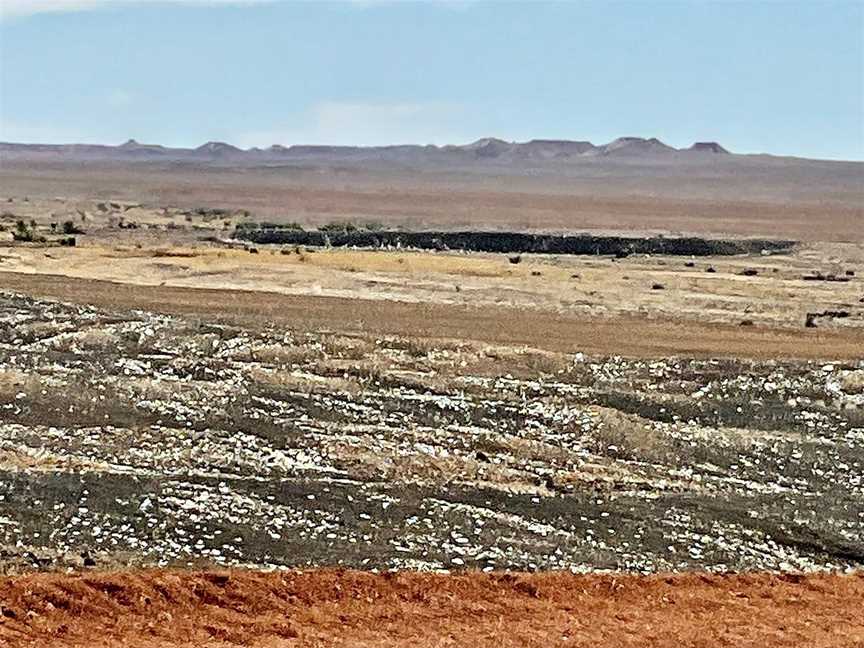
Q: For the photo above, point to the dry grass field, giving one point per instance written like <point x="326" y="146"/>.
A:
<point x="176" y="248"/>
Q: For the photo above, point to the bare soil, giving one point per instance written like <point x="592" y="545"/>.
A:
<point x="625" y="335"/>
<point x="170" y="247"/>
<point x="169" y="609"/>
<point x="803" y="200"/>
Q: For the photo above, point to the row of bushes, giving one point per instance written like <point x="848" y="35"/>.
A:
<point x="27" y="233"/>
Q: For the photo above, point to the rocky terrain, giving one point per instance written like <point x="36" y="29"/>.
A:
<point x="129" y="438"/>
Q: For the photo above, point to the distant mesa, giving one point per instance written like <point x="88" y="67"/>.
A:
<point x="320" y="149"/>
<point x="218" y="149"/>
<point x="486" y="142"/>
<point x="553" y="149"/>
<point x="635" y="146"/>
<point x="486" y="149"/>
<point x="136" y="148"/>
<point x="707" y="147"/>
<point x="492" y="147"/>
<point x="569" y="146"/>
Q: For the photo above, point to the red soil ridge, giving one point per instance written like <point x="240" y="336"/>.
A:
<point x="164" y="608"/>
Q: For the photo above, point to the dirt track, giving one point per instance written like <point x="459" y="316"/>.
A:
<point x="626" y="336"/>
<point x="333" y="608"/>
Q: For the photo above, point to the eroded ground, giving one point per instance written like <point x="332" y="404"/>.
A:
<point x="132" y="438"/>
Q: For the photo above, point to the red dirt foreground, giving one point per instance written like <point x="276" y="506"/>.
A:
<point x="162" y="609"/>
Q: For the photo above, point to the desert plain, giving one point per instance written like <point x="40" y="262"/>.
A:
<point x="289" y="444"/>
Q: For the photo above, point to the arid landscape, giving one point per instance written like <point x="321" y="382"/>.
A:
<point x="401" y="437"/>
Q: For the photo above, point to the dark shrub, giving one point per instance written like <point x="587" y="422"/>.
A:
<point x="69" y="227"/>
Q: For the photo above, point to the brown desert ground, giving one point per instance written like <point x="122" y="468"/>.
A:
<point x="729" y="195"/>
<point x="394" y="447"/>
<point x="547" y="330"/>
<point x="218" y="609"/>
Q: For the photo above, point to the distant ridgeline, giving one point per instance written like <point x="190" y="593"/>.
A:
<point x="507" y="242"/>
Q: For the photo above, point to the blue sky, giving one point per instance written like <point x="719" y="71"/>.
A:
<point x="778" y="77"/>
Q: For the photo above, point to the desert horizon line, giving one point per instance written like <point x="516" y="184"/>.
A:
<point x="485" y="147"/>
<point x="132" y="141"/>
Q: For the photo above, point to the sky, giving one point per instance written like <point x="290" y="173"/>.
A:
<point x="779" y="77"/>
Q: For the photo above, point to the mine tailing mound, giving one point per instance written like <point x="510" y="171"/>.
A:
<point x="510" y="242"/>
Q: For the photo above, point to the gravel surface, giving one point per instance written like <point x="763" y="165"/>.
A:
<point x="129" y="438"/>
